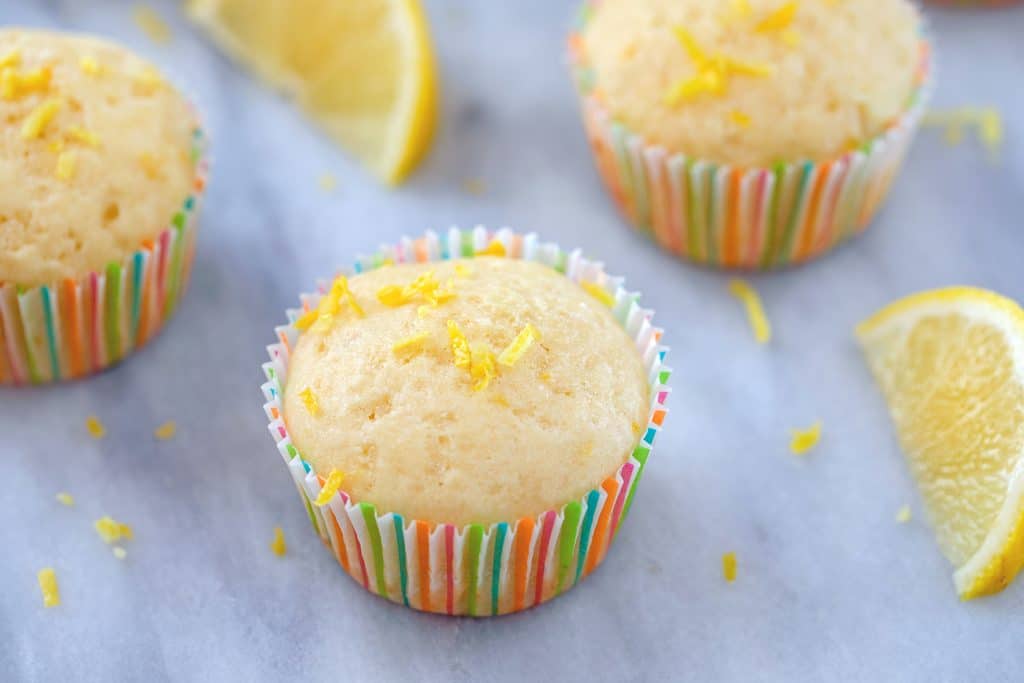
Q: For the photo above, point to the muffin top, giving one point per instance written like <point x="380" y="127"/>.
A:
<point x="482" y="391"/>
<point x="754" y="82"/>
<point x="95" y="155"/>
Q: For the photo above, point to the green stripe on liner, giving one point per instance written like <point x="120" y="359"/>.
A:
<point x="474" y="541"/>
<point x="588" y="520"/>
<point x="768" y="255"/>
<point x="136" y="295"/>
<point x="499" y="544"/>
<point x="796" y="214"/>
<point x="641" y="454"/>
<point x="567" y="541"/>
<point x="33" y="371"/>
<point x="562" y="262"/>
<point x="51" y="338"/>
<point x="112" y="310"/>
<point x="174" y="276"/>
<point x="664" y="375"/>
<point x="402" y="571"/>
<point x="309" y="511"/>
<point x="370" y="517"/>
<point x="467" y="244"/>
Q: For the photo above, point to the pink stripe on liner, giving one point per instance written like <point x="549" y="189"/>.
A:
<point x="662" y="395"/>
<point x="449" y="558"/>
<point x="542" y="559"/>
<point x="627" y="475"/>
<point x="96" y="333"/>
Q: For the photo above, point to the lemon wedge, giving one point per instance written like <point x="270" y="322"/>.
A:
<point x="364" y="69"/>
<point x="951" y="365"/>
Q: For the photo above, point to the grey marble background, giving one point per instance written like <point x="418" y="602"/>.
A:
<point x="829" y="588"/>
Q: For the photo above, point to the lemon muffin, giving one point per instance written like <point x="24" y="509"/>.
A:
<point x="100" y="173"/>
<point x="715" y="118"/>
<point x="474" y="402"/>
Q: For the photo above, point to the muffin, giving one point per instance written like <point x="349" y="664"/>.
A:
<point x="101" y="172"/>
<point x="749" y="134"/>
<point x="466" y="418"/>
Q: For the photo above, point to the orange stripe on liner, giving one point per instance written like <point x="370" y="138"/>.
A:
<point x="73" y="333"/>
<point x="597" y="546"/>
<point x="342" y="550"/>
<point x="807" y="230"/>
<point x="731" y="248"/>
<point x="423" y="555"/>
<point x="524" y="532"/>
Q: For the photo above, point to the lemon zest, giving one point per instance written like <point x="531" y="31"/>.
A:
<point x="500" y="400"/>
<point x="277" y="546"/>
<point x="14" y="84"/>
<point x="495" y="248"/>
<point x="790" y="37"/>
<point x="48" y="585"/>
<point x="67" y="164"/>
<point x="65" y="499"/>
<point x="804" y="440"/>
<point x="463" y="270"/>
<point x="713" y="71"/>
<point x="11" y="58"/>
<point x="742" y="8"/>
<point x="414" y="342"/>
<point x="309" y="400"/>
<point x="36" y="122"/>
<point x="481" y="368"/>
<point x="461" y="354"/>
<point x="149" y="80"/>
<point x="166" y="431"/>
<point x="95" y="427"/>
<point x="520" y="345"/>
<point x="779" y="19"/>
<point x="739" y="118"/>
<point x="322" y="317"/>
<point x="90" y="66"/>
<point x="330" y="488"/>
<point x="424" y="288"/>
<point x="86" y="137"/>
<point x="598" y="292"/>
<point x="110" y="530"/>
<point x="755" y="310"/>
<point x="729" y="566"/>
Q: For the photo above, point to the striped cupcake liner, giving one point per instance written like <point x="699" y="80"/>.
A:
<point x="974" y="4"/>
<point x="734" y="217"/>
<point x="476" y="570"/>
<point x="80" y="326"/>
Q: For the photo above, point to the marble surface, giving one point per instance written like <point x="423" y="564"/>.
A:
<point x="829" y="588"/>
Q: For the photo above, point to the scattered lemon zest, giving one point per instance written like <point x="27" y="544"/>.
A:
<point x="149" y="79"/>
<point x="11" y="58"/>
<point x="423" y="311"/>
<point x="636" y="428"/>
<point x="544" y="376"/>
<point x="424" y="288"/>
<point x="690" y="44"/>
<point x="903" y="514"/>
<point x="495" y="248"/>
<point x="277" y="546"/>
<point x="990" y="130"/>
<point x="322" y="317"/>
<point x="65" y="499"/>
<point x="729" y="566"/>
<point x="309" y="400"/>
<point x="56" y="146"/>
<point x="463" y="270"/>
<point x="739" y="118"/>
<point x="86" y="137"/>
<point x="756" y="69"/>
<point x="987" y="121"/>
<point x="474" y="186"/>
<point x="481" y="368"/>
<point x="598" y="292"/>
<point x="461" y="354"/>
<point x="155" y="28"/>
<point x="804" y="440"/>
<point x="755" y="310"/>
<point x="110" y="530"/>
<point x="306" y="319"/>
<point x="713" y="71"/>
<point x="119" y="552"/>
<point x="36" y="123"/>
<point x="48" y="585"/>
<point x="742" y="8"/>
<point x="500" y="400"/>
<point x="520" y="345"/>
<point x="95" y="427"/>
<point x="330" y="488"/>
<point x="790" y="37"/>
<point x="166" y="431"/>
<point x="150" y="165"/>
<point x="90" y="66"/>
<point x="415" y="342"/>
<point x="778" y="20"/>
<point x="67" y="164"/>
<point x="14" y="84"/>
<point x="327" y="182"/>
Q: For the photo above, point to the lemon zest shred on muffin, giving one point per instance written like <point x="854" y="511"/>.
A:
<point x="495" y="248"/>
<point x="755" y="310"/>
<point x="166" y="431"/>
<point x="413" y="342"/>
<point x="11" y="58"/>
<point x="37" y="121"/>
<point x="804" y="440"/>
<point x="14" y="84"/>
<point x="278" y="546"/>
<point x="462" y="357"/>
<point x="778" y="20"/>
<point x="500" y="399"/>
<point x="119" y="552"/>
<point x="790" y="37"/>
<point x="330" y="487"/>
<point x="598" y="292"/>
<point x="903" y="514"/>
<point x="67" y="164"/>
<point x="149" y="79"/>
<point x="636" y="428"/>
<point x="424" y="288"/>
<point x="83" y="136"/>
<point x="151" y="24"/>
<point x="713" y="71"/>
<point x="463" y="270"/>
<point x="729" y="566"/>
<point x="520" y="345"/>
<point x="110" y="530"/>
<point x="65" y="499"/>
<point x="48" y="586"/>
<point x="95" y="427"/>
<point x="309" y="400"/>
<point x="739" y="118"/>
<point x="56" y="146"/>
<point x="481" y="367"/>
<point x="90" y="66"/>
<point x="742" y="8"/>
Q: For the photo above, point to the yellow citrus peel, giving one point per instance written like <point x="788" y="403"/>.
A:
<point x="277" y="546"/>
<point x="110" y="530"/>
<point x="86" y="137"/>
<point x="729" y="566"/>
<point x="804" y="440"/>
<point x="166" y="431"/>
<point x="739" y="118"/>
<point x="90" y="66"/>
<point x="65" y="499"/>
<point x="411" y="343"/>
<point x="481" y="367"/>
<point x="67" y="163"/>
<point x="520" y="345"/>
<point x="309" y="400"/>
<point x="330" y="488"/>
<point x="48" y="585"/>
<point x="755" y="310"/>
<point x="10" y="58"/>
<point x="778" y="20"/>
<point x="425" y="288"/>
<point x="461" y="354"/>
<point x="713" y="71"/>
<point x="95" y="427"/>
<point x="495" y="248"/>
<point x="598" y="292"/>
<point x="36" y="122"/>
<point x="322" y="318"/>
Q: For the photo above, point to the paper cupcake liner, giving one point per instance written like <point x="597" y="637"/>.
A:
<point x="76" y="327"/>
<point x="736" y="217"/>
<point x="475" y="569"/>
<point x="974" y="4"/>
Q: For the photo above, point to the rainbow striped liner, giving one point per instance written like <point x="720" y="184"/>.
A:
<point x="476" y="570"/>
<point x="80" y="326"/>
<point x="975" y="4"/>
<point x="734" y="217"/>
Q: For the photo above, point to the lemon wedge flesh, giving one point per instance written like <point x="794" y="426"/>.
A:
<point x="364" y="69"/>
<point x="951" y="365"/>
